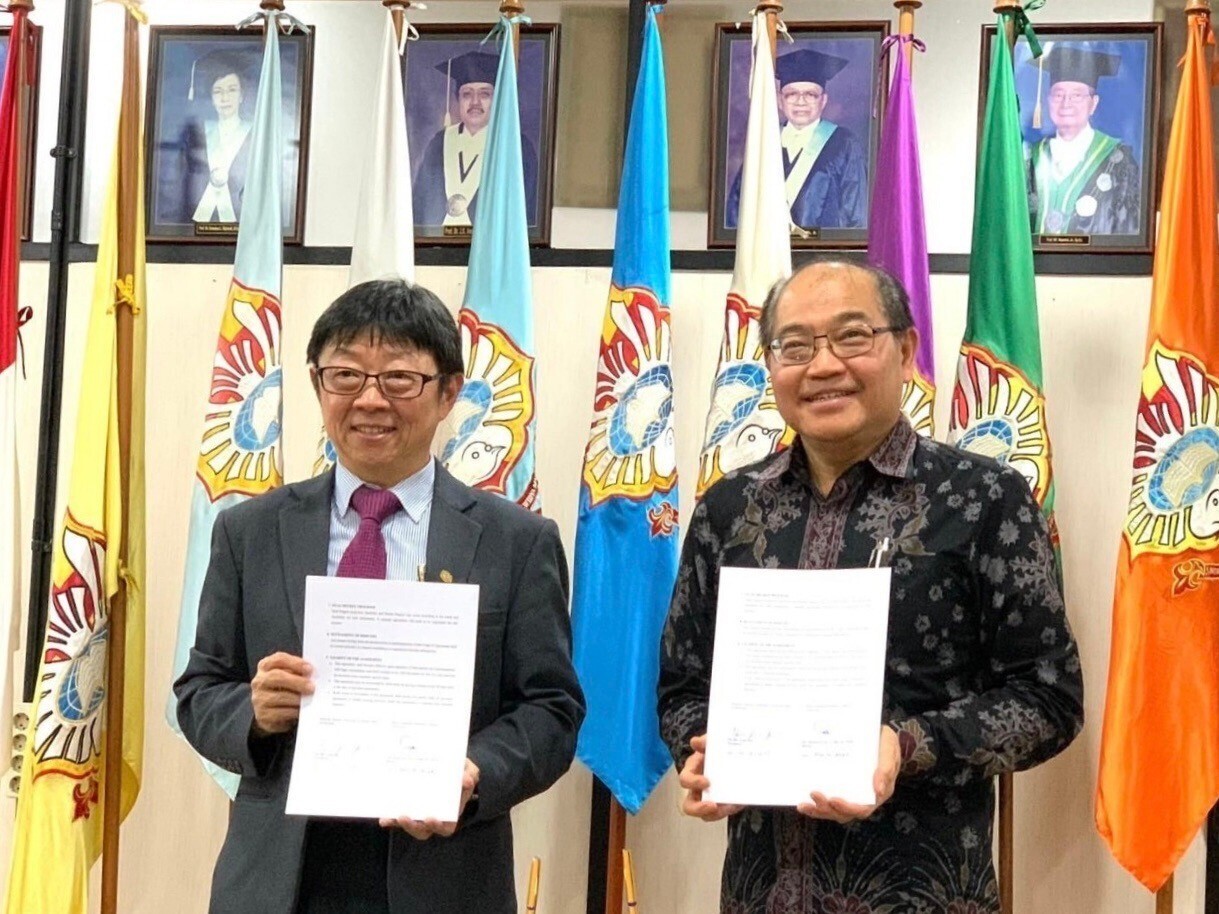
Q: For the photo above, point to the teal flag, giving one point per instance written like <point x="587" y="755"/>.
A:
<point x="491" y="429"/>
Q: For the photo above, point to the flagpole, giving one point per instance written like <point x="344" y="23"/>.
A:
<point x="65" y="228"/>
<point x="510" y="9"/>
<point x="23" y="107"/>
<point x="773" y="9"/>
<point x="128" y="203"/>
<point x="397" y="9"/>
<point x="1007" y="863"/>
<point x="905" y="24"/>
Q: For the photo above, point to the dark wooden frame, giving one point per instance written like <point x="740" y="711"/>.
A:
<point x="157" y="35"/>
<point x="546" y="150"/>
<point x="1151" y="166"/>
<point x="30" y="131"/>
<point x="842" y="239"/>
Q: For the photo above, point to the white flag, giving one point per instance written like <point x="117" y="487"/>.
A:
<point x="743" y="424"/>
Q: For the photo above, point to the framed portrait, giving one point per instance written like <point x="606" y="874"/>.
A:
<point x="29" y="129"/>
<point x="828" y="83"/>
<point x="202" y="88"/>
<point x="450" y="84"/>
<point x="1089" y="112"/>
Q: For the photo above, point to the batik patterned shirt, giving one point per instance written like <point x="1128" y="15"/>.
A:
<point x="982" y="674"/>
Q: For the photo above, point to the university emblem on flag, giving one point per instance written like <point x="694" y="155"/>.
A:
<point x="1174" y="497"/>
<point x="743" y="424"/>
<point x="999" y="413"/>
<point x="68" y="731"/>
<point x="918" y="401"/>
<point x="240" y="450"/>
<point x="488" y="425"/>
<point x="631" y="449"/>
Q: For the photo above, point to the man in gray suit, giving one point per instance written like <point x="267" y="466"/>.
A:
<point x="386" y="365"/>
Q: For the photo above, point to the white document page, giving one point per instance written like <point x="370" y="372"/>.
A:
<point x="796" y="685"/>
<point x="386" y="730"/>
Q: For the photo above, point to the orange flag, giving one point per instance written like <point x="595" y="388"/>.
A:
<point x="1159" y="764"/>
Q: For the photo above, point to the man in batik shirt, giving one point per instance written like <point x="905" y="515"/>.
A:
<point x="982" y="674"/>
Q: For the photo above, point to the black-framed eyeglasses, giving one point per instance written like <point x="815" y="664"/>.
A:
<point x="394" y="385"/>
<point x="846" y="342"/>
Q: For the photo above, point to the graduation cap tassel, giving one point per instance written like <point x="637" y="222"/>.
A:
<point x="448" y="94"/>
<point x="190" y="94"/>
<point x="1037" y="108"/>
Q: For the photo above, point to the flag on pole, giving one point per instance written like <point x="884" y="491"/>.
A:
<point x="12" y="168"/>
<point x="897" y="235"/>
<point x="384" y="245"/>
<point x="743" y="423"/>
<point x="998" y="408"/>
<point x="241" y="454"/>
<point x="626" y="536"/>
<point x="490" y="430"/>
<point x="1159" y="769"/>
<point x="98" y="561"/>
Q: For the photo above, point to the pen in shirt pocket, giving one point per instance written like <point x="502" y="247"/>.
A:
<point x="881" y="553"/>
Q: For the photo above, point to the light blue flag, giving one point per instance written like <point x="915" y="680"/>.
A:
<point x="491" y="429"/>
<point x="626" y="538"/>
<point x="241" y="455"/>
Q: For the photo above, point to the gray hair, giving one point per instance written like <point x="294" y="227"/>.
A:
<point x="893" y="298"/>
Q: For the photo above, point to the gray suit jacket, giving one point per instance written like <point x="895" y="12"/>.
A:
<point x="527" y="705"/>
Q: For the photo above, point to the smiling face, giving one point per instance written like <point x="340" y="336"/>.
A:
<point x="802" y="102"/>
<point x="381" y="440"/>
<point x="1072" y="105"/>
<point x="474" y="105"/>
<point x="842" y="409"/>
<point x="227" y="96"/>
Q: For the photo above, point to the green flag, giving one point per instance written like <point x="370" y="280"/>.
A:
<point x="998" y="408"/>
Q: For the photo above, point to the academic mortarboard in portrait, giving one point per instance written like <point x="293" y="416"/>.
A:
<point x="216" y="65"/>
<point x="474" y="67"/>
<point x="1072" y="63"/>
<point x="808" y="66"/>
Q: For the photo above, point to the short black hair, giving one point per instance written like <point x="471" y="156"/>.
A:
<point x="894" y="300"/>
<point x="390" y="311"/>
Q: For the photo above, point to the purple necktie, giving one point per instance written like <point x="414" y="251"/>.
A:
<point x="365" y="556"/>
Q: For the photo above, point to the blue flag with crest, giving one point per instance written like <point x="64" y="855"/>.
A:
<point x="626" y="538"/>
<point x="491" y="429"/>
<point x="241" y="454"/>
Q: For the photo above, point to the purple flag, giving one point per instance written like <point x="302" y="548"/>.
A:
<point x="897" y="229"/>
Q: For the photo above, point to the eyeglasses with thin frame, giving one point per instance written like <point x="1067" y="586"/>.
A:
<point x="846" y="342"/>
<point x="394" y="385"/>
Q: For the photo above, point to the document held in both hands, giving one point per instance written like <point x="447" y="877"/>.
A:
<point x="385" y="732"/>
<point x="796" y="685"/>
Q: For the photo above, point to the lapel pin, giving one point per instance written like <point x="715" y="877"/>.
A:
<point x="446" y="577"/>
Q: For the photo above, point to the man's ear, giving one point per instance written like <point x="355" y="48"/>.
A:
<point x="909" y="347"/>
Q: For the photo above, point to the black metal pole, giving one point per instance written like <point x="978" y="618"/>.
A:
<point x="599" y="821"/>
<point x="65" y="228"/>
<point x="1212" y="862"/>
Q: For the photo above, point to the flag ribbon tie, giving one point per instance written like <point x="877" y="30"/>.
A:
<point x="124" y="294"/>
<point x="409" y="32"/>
<point x="1024" y="26"/>
<point x="505" y="23"/>
<point x="285" y="22"/>
<point x="24" y="316"/>
<point x="131" y="6"/>
<point x="127" y="577"/>
<point x="885" y="47"/>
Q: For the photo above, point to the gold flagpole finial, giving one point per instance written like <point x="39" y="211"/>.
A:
<point x="1198" y="8"/>
<point x="14" y="5"/>
<point x="512" y="8"/>
<point x="1007" y="6"/>
<point x="271" y="6"/>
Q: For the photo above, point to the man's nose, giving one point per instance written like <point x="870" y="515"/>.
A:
<point x="371" y="397"/>
<point x="823" y="362"/>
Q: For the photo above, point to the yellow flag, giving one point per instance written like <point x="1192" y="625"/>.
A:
<point x="59" y="812"/>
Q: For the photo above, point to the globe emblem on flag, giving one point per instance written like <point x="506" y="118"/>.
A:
<point x="73" y="678"/>
<point x="1174" y="497"/>
<point x="631" y="449"/>
<point x="998" y="412"/>
<point x="488" y="427"/>
<point x="258" y="420"/>
<point x="743" y="423"/>
<point x="241" y="447"/>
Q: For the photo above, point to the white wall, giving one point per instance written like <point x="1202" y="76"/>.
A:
<point x="1092" y="328"/>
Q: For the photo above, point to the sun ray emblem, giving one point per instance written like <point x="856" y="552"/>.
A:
<point x="918" y="404"/>
<point x="488" y="427"/>
<point x="999" y="413"/>
<point x="631" y="449"/>
<point x="73" y="687"/>
<point x="241" y="451"/>
<point x="743" y="423"/>
<point x="1174" y="496"/>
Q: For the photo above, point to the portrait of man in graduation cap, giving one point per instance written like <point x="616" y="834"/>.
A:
<point x="203" y="88"/>
<point x="826" y="80"/>
<point x="449" y="172"/>
<point x="1083" y="181"/>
